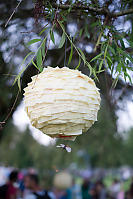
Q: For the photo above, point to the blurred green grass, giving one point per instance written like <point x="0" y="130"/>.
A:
<point x="108" y="180"/>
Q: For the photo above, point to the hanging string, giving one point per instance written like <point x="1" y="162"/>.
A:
<point x="65" y="52"/>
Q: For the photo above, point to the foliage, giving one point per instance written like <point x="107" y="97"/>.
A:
<point x="112" y="53"/>
<point x="48" y="39"/>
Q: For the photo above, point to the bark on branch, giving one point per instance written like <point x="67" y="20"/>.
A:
<point x="122" y="13"/>
<point x="100" y="11"/>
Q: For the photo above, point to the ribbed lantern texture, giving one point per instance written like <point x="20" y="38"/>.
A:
<point x="61" y="102"/>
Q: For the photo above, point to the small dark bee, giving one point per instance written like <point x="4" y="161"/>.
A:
<point x="65" y="147"/>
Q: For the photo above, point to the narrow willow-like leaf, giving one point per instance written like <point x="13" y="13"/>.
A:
<point x="100" y="65"/>
<point x="21" y="72"/>
<point x="33" y="41"/>
<point x="86" y="32"/>
<point x="119" y="67"/>
<point x="130" y="42"/>
<point x="122" y="44"/>
<point x="127" y="75"/>
<point x="109" y="59"/>
<point x="62" y="41"/>
<point x="26" y="57"/>
<point x="100" y="71"/>
<point x="52" y="36"/>
<point x="96" y="57"/>
<point x="24" y="68"/>
<point x="89" y="66"/>
<point x="43" y="47"/>
<point x="39" y="59"/>
<point x="44" y="29"/>
<point x="105" y="53"/>
<point x="95" y="76"/>
<point x="52" y="15"/>
<point x="82" y="55"/>
<point x="78" y="64"/>
<point x="130" y="58"/>
<point x="80" y="32"/>
<point x="108" y="63"/>
<point x="75" y="36"/>
<point x="71" y="54"/>
<point x="115" y="81"/>
<point x="35" y="65"/>
<point x="112" y="50"/>
<point x="97" y="23"/>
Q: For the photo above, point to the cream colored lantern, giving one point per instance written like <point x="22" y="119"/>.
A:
<point x="61" y="102"/>
<point x="62" y="180"/>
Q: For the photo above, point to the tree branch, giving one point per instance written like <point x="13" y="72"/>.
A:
<point x="100" y="11"/>
<point x="122" y="13"/>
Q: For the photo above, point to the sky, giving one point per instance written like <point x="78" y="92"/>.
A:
<point x="21" y="120"/>
<point x="125" y="116"/>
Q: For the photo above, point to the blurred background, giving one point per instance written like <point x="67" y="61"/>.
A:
<point x="104" y="153"/>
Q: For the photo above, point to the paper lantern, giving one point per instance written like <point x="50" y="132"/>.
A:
<point x="62" y="180"/>
<point x="61" y="102"/>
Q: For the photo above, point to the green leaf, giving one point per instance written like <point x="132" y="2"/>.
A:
<point x="19" y="84"/>
<point x="115" y="81"/>
<point x="33" y="41"/>
<point x="94" y="73"/>
<point x="80" y="32"/>
<point x="109" y="59"/>
<point x="86" y="32"/>
<point x="97" y="23"/>
<point x="82" y="55"/>
<point x="122" y="44"/>
<point x="35" y="65"/>
<point x="130" y="42"/>
<point x="100" y="71"/>
<point x="71" y="54"/>
<point x="129" y="78"/>
<point x="130" y="58"/>
<point x="96" y="57"/>
<point x="119" y="67"/>
<point x="78" y="64"/>
<point x="43" y="30"/>
<point x="100" y="65"/>
<point x="89" y="66"/>
<point x="39" y="59"/>
<point x="24" y="68"/>
<point x="62" y="41"/>
<point x="26" y="57"/>
<point x="105" y="53"/>
<point x="112" y="50"/>
<point x="52" y="36"/>
<point x="74" y="37"/>
<point x="108" y="63"/>
<point x="43" y="47"/>
<point x="52" y="15"/>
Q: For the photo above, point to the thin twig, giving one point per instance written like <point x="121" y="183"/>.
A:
<point x="12" y="13"/>
<point x="46" y="49"/>
<point x="10" y="112"/>
<point x="98" y="41"/>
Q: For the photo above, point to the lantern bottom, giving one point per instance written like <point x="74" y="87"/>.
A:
<point x="65" y="137"/>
